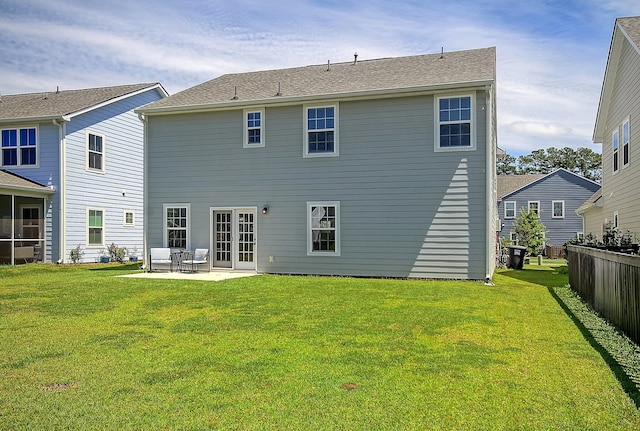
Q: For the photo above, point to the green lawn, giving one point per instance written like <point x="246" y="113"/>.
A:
<point x="83" y="350"/>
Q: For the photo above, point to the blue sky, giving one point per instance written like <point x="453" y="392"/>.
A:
<point x="551" y="54"/>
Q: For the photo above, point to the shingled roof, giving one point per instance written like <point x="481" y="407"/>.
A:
<point x="13" y="181"/>
<point x="56" y="104"/>
<point x="631" y="26"/>
<point x="413" y="73"/>
<point x="508" y="184"/>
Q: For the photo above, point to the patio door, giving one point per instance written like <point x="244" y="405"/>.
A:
<point x="234" y="238"/>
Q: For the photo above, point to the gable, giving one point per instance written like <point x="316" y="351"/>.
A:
<point x="512" y="184"/>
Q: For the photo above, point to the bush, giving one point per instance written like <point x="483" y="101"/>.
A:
<point x="76" y="254"/>
<point x="116" y="253"/>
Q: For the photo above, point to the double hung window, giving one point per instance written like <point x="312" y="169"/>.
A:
<point x="558" y="209"/>
<point x="95" y="227"/>
<point x="454" y="128"/>
<point x="176" y="222"/>
<point x="95" y="152"/>
<point x="19" y="147"/>
<point x="616" y="147"/>
<point x="625" y="143"/>
<point x="323" y="228"/>
<point x="534" y="207"/>
<point x="509" y="209"/>
<point x="253" y="132"/>
<point x="321" y="131"/>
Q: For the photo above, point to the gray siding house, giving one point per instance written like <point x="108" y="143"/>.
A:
<point x="617" y="128"/>
<point x="72" y="172"/>
<point x="368" y="168"/>
<point x="555" y="197"/>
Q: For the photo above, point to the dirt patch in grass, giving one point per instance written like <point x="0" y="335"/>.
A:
<point x="59" y="386"/>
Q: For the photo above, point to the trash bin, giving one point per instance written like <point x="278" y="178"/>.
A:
<point x="516" y="256"/>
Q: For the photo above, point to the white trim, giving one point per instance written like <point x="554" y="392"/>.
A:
<point x="234" y="233"/>
<point x="615" y="152"/>
<point x="336" y="128"/>
<point x="165" y="239"/>
<point x="472" y="122"/>
<point x="515" y="207"/>
<point x="104" y="151"/>
<point x="18" y="147"/>
<point x="245" y="128"/>
<point x="616" y="219"/>
<point x="553" y="209"/>
<point x="156" y="86"/>
<point x="310" y="205"/>
<point x="534" y="202"/>
<point x="104" y="233"/>
<point x="124" y="218"/>
<point x="628" y="144"/>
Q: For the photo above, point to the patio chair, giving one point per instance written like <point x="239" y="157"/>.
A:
<point x="159" y="257"/>
<point x="200" y="257"/>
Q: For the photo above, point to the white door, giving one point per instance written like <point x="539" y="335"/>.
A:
<point x="234" y="238"/>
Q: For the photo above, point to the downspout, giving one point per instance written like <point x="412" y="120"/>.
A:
<point x="489" y="177"/>
<point x="145" y="212"/>
<point x="62" y="190"/>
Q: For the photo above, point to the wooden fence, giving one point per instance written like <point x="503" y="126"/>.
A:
<point x="610" y="283"/>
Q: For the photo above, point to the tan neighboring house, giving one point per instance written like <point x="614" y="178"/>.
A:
<point x="617" y="128"/>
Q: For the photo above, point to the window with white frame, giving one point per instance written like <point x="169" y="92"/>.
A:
<point x="95" y="152"/>
<point x="454" y="128"/>
<point x="323" y="236"/>
<point x="625" y="143"/>
<point x="616" y="219"/>
<point x="19" y="146"/>
<point x="580" y="236"/>
<point x="95" y="227"/>
<point x="558" y="209"/>
<point x="176" y="222"/>
<point x="534" y="207"/>
<point x="253" y="134"/>
<point x="129" y="218"/>
<point x="509" y="209"/>
<point x="321" y="130"/>
<point x="513" y="237"/>
<point x="616" y="144"/>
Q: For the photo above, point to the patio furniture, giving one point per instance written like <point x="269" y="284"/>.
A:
<point x="160" y="257"/>
<point x="200" y="257"/>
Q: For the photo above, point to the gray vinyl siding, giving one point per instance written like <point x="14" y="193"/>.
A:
<point x="123" y="171"/>
<point x="559" y="186"/>
<point x="620" y="190"/>
<point x="406" y="211"/>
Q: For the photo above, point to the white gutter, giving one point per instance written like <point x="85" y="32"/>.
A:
<point x="62" y="189"/>
<point x="145" y="189"/>
<point x="489" y="169"/>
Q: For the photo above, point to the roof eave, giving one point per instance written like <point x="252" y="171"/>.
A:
<point x="34" y="119"/>
<point x="38" y="190"/>
<point x="283" y="100"/>
<point x="156" y="86"/>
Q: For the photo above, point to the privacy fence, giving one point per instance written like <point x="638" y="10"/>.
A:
<point x="610" y="283"/>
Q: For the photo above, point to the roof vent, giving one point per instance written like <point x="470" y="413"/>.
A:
<point x="235" y="93"/>
<point x="57" y="89"/>
<point x="328" y="65"/>
<point x="355" y="58"/>
<point x="442" y="52"/>
<point x="279" y="93"/>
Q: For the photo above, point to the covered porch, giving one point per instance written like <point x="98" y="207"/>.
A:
<point x="22" y="219"/>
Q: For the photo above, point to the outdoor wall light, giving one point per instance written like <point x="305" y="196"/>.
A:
<point x="265" y="209"/>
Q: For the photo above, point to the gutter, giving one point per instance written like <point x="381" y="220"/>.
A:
<point x="145" y="188"/>
<point x="62" y="189"/>
<point x="489" y="177"/>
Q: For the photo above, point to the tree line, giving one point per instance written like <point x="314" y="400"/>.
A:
<point x="582" y="161"/>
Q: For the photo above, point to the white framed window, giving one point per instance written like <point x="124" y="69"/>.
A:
<point x="534" y="207"/>
<point x="323" y="228"/>
<point x="616" y="219"/>
<point x="95" y="227"/>
<point x="253" y="128"/>
<point x="580" y="236"/>
<point x="558" y="209"/>
<point x="509" y="209"/>
<point x="95" y="152"/>
<point x="513" y="237"/>
<point x="128" y="218"/>
<point x="320" y="130"/>
<point x="454" y="123"/>
<point x="625" y="143"/>
<point x="615" y="139"/>
<point x="19" y="147"/>
<point x="176" y="226"/>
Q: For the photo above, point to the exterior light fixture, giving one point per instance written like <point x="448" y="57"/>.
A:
<point x="265" y="209"/>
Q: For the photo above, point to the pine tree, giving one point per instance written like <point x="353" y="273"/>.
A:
<point x="529" y="232"/>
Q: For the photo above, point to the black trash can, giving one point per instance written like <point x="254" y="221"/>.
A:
<point x="516" y="256"/>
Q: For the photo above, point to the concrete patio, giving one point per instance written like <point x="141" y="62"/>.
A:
<point x="214" y="275"/>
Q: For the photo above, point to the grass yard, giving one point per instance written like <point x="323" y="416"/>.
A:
<point x="82" y="350"/>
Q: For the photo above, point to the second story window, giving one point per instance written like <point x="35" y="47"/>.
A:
<point x="321" y="131"/>
<point x="558" y="209"/>
<point x="19" y="147"/>
<point x="616" y="145"/>
<point x="95" y="152"/>
<point x="253" y="134"/>
<point x="454" y="123"/>
<point x="625" y="143"/>
<point x="534" y="207"/>
<point x="509" y="209"/>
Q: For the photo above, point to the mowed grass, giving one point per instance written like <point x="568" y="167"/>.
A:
<point x="84" y="350"/>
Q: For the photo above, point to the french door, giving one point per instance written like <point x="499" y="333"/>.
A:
<point x="234" y="238"/>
